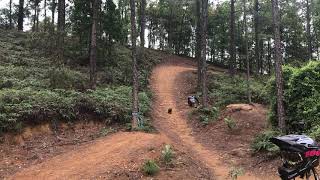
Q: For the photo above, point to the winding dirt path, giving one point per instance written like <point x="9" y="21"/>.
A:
<point x="170" y="93"/>
<point x="121" y="149"/>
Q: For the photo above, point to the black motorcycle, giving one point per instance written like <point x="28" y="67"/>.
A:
<point x="300" y="156"/>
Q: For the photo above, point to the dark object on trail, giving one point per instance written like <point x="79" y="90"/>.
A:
<point x="193" y="101"/>
<point x="299" y="154"/>
<point x="170" y="110"/>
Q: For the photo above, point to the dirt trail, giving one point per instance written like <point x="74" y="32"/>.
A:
<point x="170" y="94"/>
<point x="99" y="158"/>
<point x="130" y="149"/>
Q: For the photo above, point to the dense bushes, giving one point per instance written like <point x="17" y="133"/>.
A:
<point x="36" y="87"/>
<point x="21" y="107"/>
<point x="301" y="96"/>
<point x="226" y="90"/>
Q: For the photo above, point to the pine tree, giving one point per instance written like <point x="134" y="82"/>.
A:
<point x="309" y="36"/>
<point x="135" y="101"/>
<point x="93" y="46"/>
<point x="232" y="60"/>
<point x="21" y="15"/>
<point x="61" y="28"/>
<point x="257" y="36"/>
<point x="198" y="40"/>
<point x="244" y="2"/>
<point x="204" y="27"/>
<point x="10" y="15"/>
<point x="278" y="65"/>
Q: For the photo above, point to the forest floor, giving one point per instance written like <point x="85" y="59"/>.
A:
<point x="200" y="152"/>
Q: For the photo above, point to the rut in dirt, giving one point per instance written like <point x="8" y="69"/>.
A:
<point x="169" y="93"/>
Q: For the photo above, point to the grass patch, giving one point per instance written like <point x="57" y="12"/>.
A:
<point x="231" y="123"/>
<point x="35" y="86"/>
<point x="167" y="154"/>
<point x="224" y="90"/>
<point x="150" y="168"/>
<point x="236" y="172"/>
<point x="262" y="142"/>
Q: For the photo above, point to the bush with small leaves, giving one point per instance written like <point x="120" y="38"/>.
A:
<point x="262" y="142"/>
<point x="230" y="123"/>
<point x="150" y="167"/>
<point x="167" y="154"/>
<point x="236" y="172"/>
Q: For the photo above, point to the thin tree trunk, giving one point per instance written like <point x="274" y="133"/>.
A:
<point x="232" y="39"/>
<point x="21" y="15"/>
<point x="278" y="66"/>
<point x="34" y="18"/>
<point x="257" y="36"/>
<point x="135" y="100"/>
<point x="10" y="15"/>
<point x="93" y="47"/>
<point x="37" y="17"/>
<point x="45" y="15"/>
<point x="61" y="26"/>
<point x="309" y="40"/>
<point x="170" y="29"/>
<point x="269" y="57"/>
<point x="142" y="23"/>
<point x="246" y="49"/>
<point x="204" y="27"/>
<point x="53" y="12"/>
<point x="198" y="41"/>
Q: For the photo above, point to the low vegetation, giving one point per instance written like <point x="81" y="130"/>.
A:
<point x="231" y="123"/>
<point x="236" y="172"/>
<point x="225" y="90"/>
<point x="35" y="87"/>
<point x="150" y="167"/>
<point x="262" y="142"/>
<point x="167" y="154"/>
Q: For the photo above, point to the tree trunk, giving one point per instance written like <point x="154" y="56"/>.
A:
<point x="10" y="15"/>
<point x="53" y="12"/>
<point x="45" y="15"/>
<point x="135" y="100"/>
<point x="142" y="23"/>
<point x="61" y="26"/>
<point x="204" y="23"/>
<point x="34" y="18"/>
<point x="246" y="49"/>
<point x="232" y="40"/>
<point x="21" y="15"/>
<point x="93" y="47"/>
<point x="278" y="66"/>
<point x="257" y="36"/>
<point x="37" y="17"/>
<point x="269" y="57"/>
<point x="309" y="40"/>
<point x="198" y="41"/>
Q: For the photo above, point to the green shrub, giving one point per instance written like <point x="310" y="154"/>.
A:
<point x="167" y="154"/>
<point x="208" y="115"/>
<point x="105" y="131"/>
<point x="231" y="123"/>
<point x="25" y="106"/>
<point x="262" y="142"/>
<point x="225" y="90"/>
<point x="150" y="167"/>
<point x="301" y="96"/>
<point x="236" y="172"/>
<point x="64" y="78"/>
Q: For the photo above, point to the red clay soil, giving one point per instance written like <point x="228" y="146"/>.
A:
<point x="233" y="146"/>
<point x="121" y="155"/>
